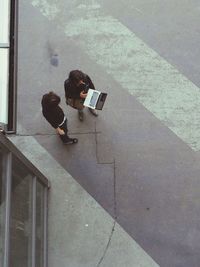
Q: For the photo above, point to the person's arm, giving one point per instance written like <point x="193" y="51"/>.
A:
<point x="51" y="121"/>
<point x="71" y="90"/>
<point x="55" y="117"/>
<point x="60" y="131"/>
<point x="83" y="94"/>
<point x="65" y="88"/>
<point x="91" y="85"/>
<point x="60" y="117"/>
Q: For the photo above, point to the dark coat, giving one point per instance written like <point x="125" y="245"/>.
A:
<point x="54" y="115"/>
<point x="73" y="91"/>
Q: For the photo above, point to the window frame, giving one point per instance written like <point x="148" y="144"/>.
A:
<point x="9" y="41"/>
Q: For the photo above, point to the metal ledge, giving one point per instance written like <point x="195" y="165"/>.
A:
<point x="9" y="146"/>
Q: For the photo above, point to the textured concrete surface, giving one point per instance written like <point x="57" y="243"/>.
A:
<point x="80" y="232"/>
<point x="140" y="158"/>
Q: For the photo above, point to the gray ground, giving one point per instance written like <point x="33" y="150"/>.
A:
<point x="133" y="165"/>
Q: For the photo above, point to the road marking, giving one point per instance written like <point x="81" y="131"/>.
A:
<point x="48" y="10"/>
<point x="159" y="86"/>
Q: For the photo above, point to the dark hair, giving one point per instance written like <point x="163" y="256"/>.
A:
<point x="50" y="100"/>
<point x="75" y="76"/>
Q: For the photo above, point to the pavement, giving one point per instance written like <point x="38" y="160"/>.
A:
<point x="140" y="158"/>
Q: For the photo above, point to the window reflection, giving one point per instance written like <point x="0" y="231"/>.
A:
<point x="22" y="209"/>
<point x="39" y="225"/>
<point x="2" y="209"/>
<point x="21" y="216"/>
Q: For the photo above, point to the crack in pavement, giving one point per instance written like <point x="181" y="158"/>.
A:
<point x="52" y="134"/>
<point x="108" y="244"/>
<point x="115" y="193"/>
<point x="114" y="203"/>
<point x="96" y="148"/>
<point x="114" y="184"/>
<point x="115" y="217"/>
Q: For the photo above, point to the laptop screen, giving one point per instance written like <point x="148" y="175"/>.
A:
<point x="101" y="101"/>
<point x="93" y="99"/>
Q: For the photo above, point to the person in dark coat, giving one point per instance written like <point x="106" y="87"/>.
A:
<point x="76" y="87"/>
<point x="54" y="114"/>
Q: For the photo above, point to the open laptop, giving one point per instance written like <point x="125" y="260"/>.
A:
<point x="95" y="99"/>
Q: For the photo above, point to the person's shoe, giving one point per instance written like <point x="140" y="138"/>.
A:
<point x="80" y="115"/>
<point x="71" y="141"/>
<point x="93" y="112"/>
<point x="2" y="131"/>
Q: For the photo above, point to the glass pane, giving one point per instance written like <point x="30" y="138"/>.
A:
<point x="39" y="225"/>
<point x="2" y="209"/>
<point x="21" y="216"/>
<point x="4" y="85"/>
<point x="4" y="25"/>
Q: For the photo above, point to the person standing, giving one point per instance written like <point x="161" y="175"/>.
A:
<point x="76" y="87"/>
<point x="54" y="114"/>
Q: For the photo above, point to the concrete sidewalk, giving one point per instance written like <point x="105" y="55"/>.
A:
<point x="80" y="232"/>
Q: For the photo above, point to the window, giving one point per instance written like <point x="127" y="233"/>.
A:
<point x="4" y="26"/>
<point x="21" y="216"/>
<point x="2" y="207"/>
<point x="4" y="52"/>
<point x="39" y="225"/>
<point x="4" y="85"/>
<point x="23" y="210"/>
<point x="8" y="61"/>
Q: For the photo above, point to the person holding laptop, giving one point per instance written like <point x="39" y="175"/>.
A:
<point x="76" y="87"/>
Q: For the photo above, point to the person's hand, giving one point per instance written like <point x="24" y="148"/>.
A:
<point x="60" y="131"/>
<point x="83" y="94"/>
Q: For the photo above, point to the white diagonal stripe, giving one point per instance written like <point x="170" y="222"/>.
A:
<point x="159" y="86"/>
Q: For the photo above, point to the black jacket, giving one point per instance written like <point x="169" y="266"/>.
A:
<point x="73" y="91"/>
<point x="54" y="115"/>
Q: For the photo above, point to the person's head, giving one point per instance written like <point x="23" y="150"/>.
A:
<point x="51" y="100"/>
<point x="76" y="76"/>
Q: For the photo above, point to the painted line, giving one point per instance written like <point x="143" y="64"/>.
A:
<point x="49" y="10"/>
<point x="160" y="87"/>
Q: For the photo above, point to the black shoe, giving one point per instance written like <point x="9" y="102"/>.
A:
<point x="80" y="115"/>
<point x="93" y="112"/>
<point x="71" y="141"/>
